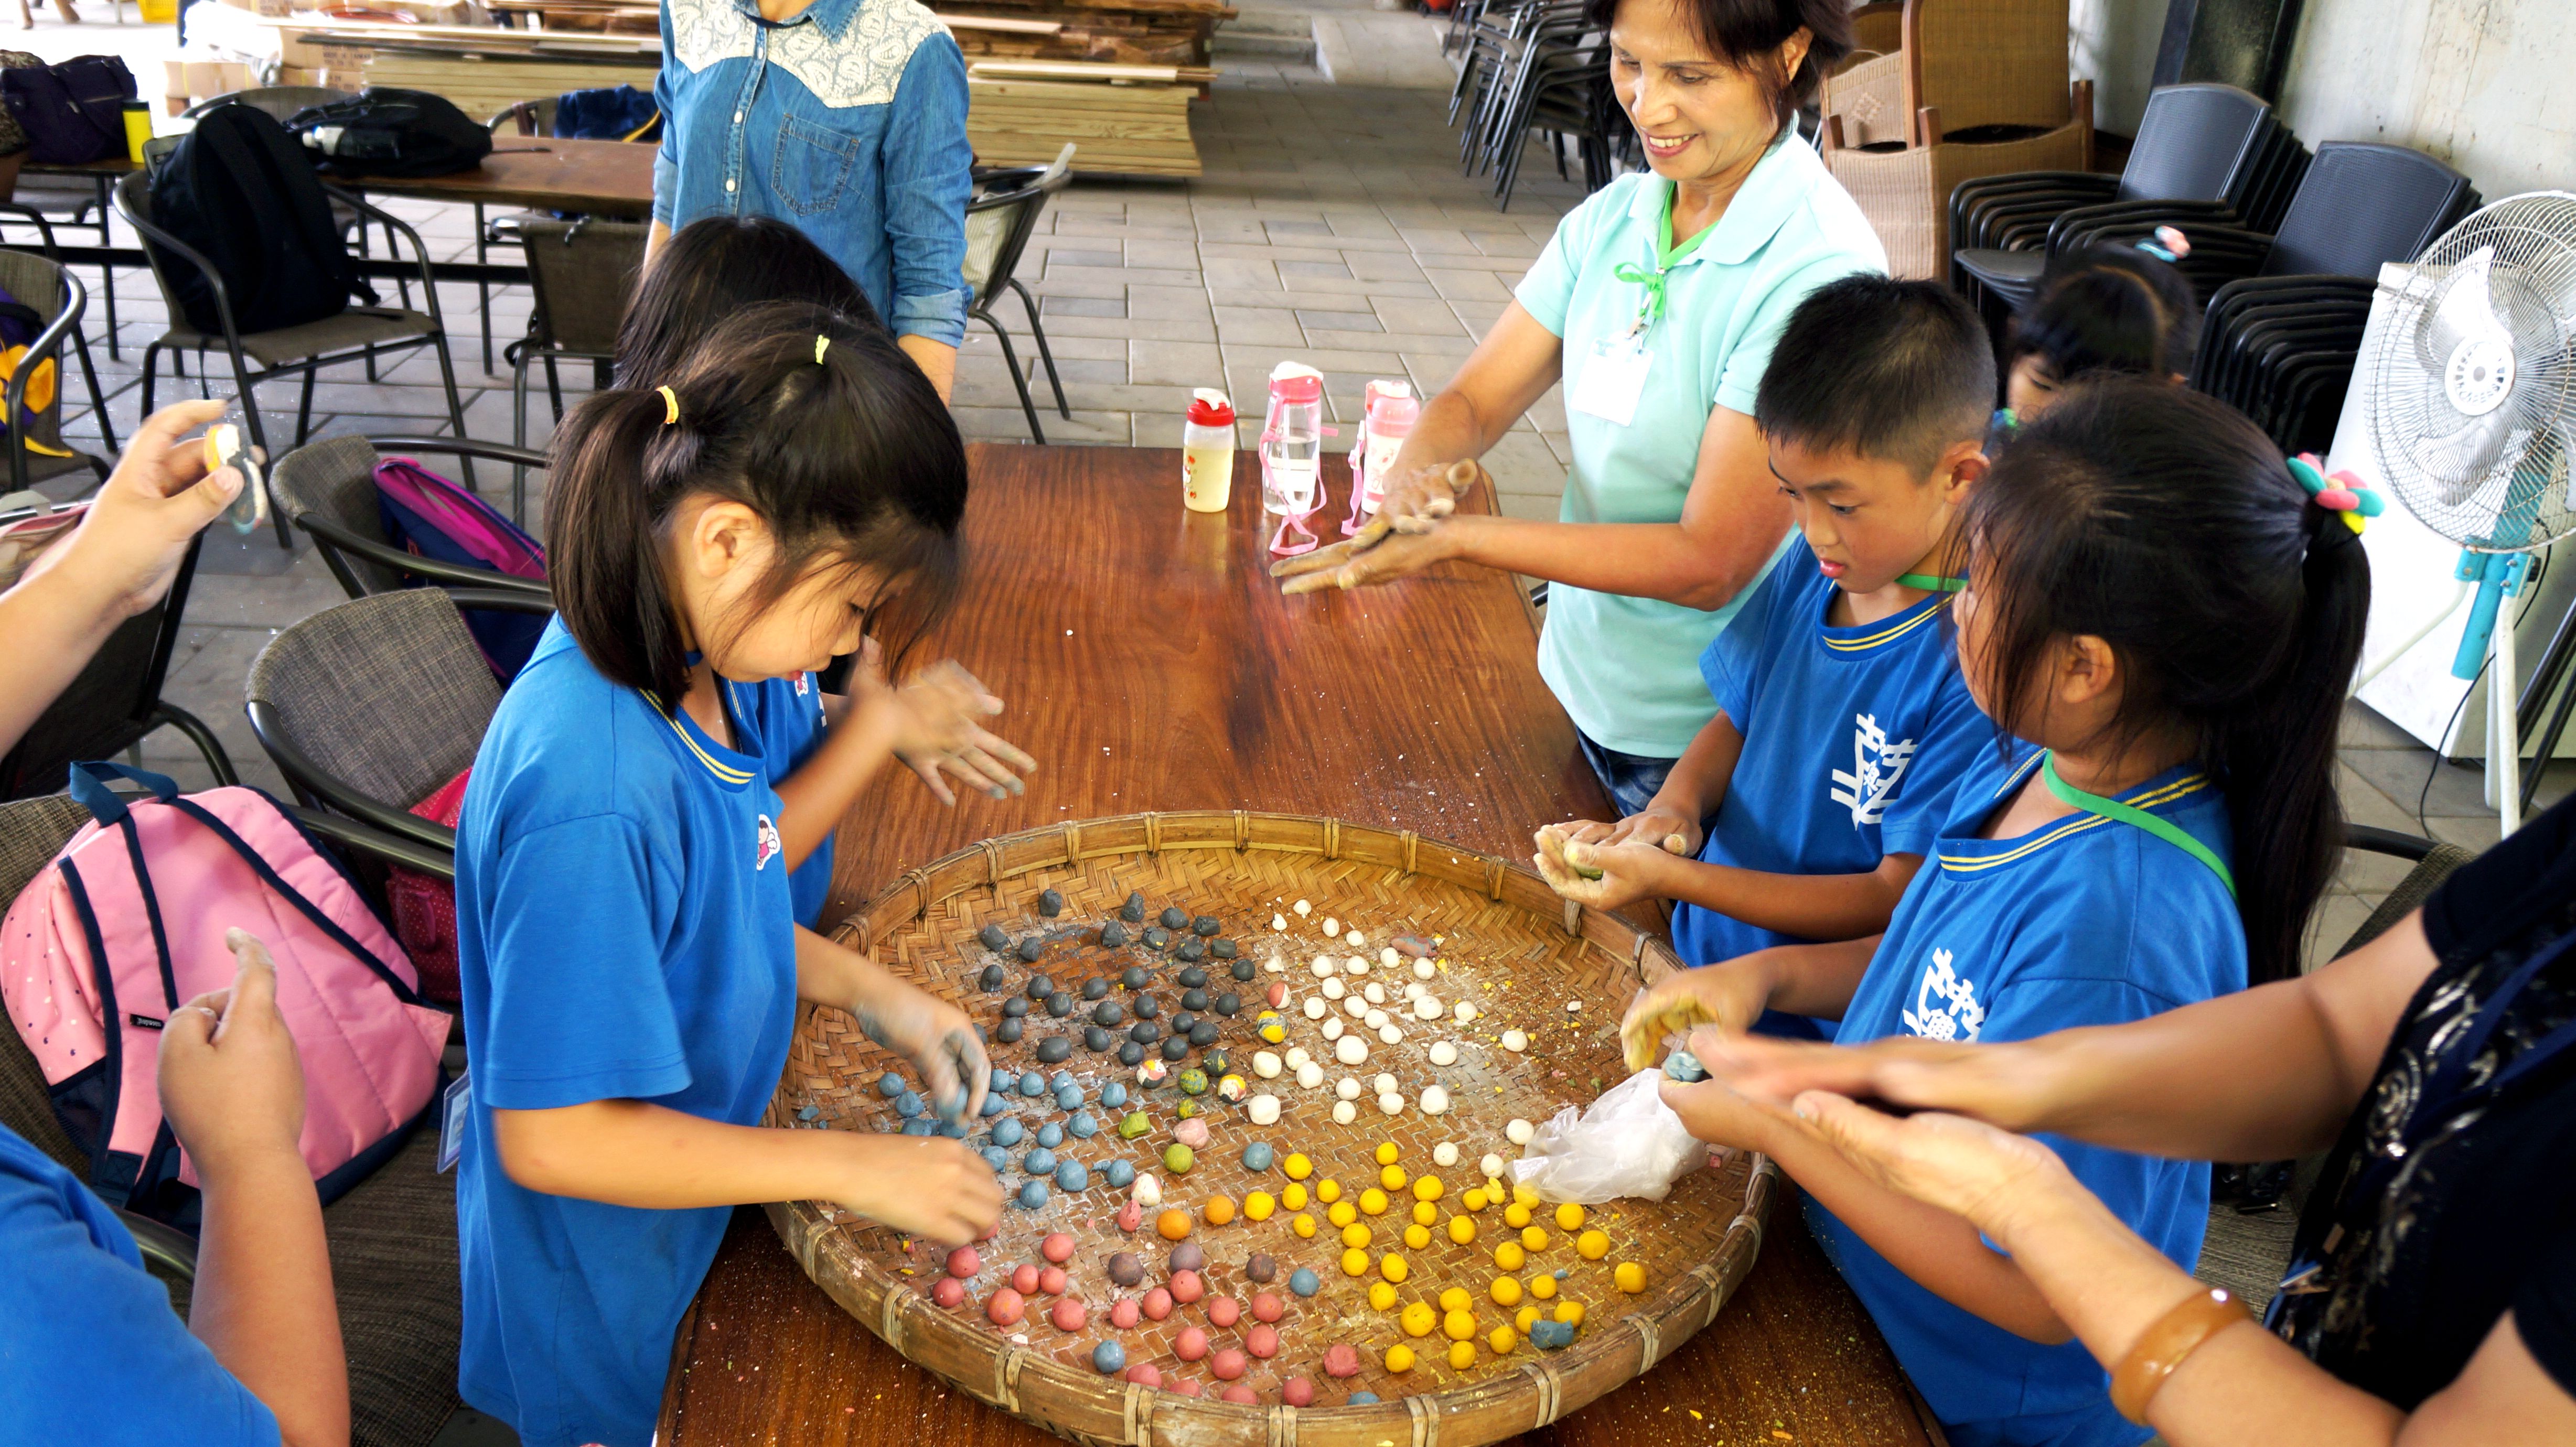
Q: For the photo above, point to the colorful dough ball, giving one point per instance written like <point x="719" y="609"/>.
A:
<point x="1462" y="1355"/>
<point x="1033" y="1195"/>
<point x="1219" y="1210"/>
<point x="1188" y="1287"/>
<point x="1592" y="1245"/>
<point x="1024" y="1278"/>
<point x="1068" y="1315"/>
<point x="1304" y="1282"/>
<point x="1191" y="1345"/>
<point x="1262" y="1342"/>
<point x="1109" y="1359"/>
<point x="1261" y="1266"/>
<point x="1505" y="1290"/>
<point x="1229" y="1365"/>
<point x="1419" y="1319"/>
<point x="1259" y="1206"/>
<point x="1005" y="1307"/>
<point x="1051" y="1281"/>
<point x="1341" y="1359"/>
<point x="1224" y="1311"/>
<point x="1629" y="1277"/>
<point x="1399" y="1358"/>
<point x="1123" y="1314"/>
<point x="1188" y="1256"/>
<point x="1172" y="1225"/>
<point x="1178" y="1158"/>
<point x="1297" y="1392"/>
<point x="1381" y="1296"/>
<point x="1258" y="1156"/>
<point x="1241" y="1394"/>
<point x="964" y="1262"/>
<point x="948" y="1291"/>
<point x="1157" y="1304"/>
<point x="1145" y="1374"/>
<point x="1501" y="1340"/>
<point x="1266" y="1306"/>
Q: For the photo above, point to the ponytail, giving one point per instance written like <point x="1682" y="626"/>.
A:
<point x="607" y="500"/>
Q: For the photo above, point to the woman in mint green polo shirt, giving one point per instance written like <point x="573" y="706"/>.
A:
<point x="1656" y="303"/>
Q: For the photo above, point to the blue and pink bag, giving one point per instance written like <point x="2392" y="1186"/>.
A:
<point x="127" y="924"/>
<point x="428" y="516"/>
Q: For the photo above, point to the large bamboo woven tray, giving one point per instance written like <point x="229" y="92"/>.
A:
<point x="1507" y="944"/>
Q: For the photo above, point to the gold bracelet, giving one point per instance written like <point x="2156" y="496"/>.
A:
<point x="2164" y="1346"/>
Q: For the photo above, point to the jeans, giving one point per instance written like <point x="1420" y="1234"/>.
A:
<point x="1631" y="779"/>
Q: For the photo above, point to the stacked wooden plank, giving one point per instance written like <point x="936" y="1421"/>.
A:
<point x="1119" y="126"/>
<point x="483" y="69"/>
<point x="1131" y="32"/>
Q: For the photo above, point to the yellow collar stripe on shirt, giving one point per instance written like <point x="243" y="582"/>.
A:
<point x="1972" y="863"/>
<point x="1884" y="635"/>
<point x="715" y="766"/>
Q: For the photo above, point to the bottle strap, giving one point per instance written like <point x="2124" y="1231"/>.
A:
<point x="2164" y="829"/>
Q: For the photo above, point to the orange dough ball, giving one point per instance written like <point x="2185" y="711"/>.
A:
<point x="1381" y="1296"/>
<point x="1424" y="1213"/>
<point x="1501" y="1341"/>
<point x="1542" y="1286"/>
<point x="1298" y="1167"/>
<point x="1630" y="1277"/>
<point x="1328" y="1190"/>
<point x="1355" y="1262"/>
<point x="1417" y="1237"/>
<point x="1220" y="1210"/>
<point x="1456" y="1299"/>
<point x="1428" y="1188"/>
<point x="1172" y="1225"/>
<point x="1516" y="1215"/>
<point x="1393" y="1267"/>
<point x="1294" y="1198"/>
<point x="1342" y="1213"/>
<point x="1392" y="1178"/>
<point x="1355" y="1235"/>
<point x="1373" y="1201"/>
<point x="1534" y="1238"/>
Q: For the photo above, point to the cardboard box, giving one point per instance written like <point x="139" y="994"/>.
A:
<point x="278" y="8"/>
<point x="174" y="79"/>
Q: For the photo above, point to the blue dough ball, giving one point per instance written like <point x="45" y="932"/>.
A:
<point x="1113" y="1095"/>
<point x="807" y="1112"/>
<point x="1060" y="1079"/>
<point x="1683" y="1066"/>
<point x="1033" y="1195"/>
<point x="1003" y="1080"/>
<point x="1071" y="1176"/>
<point x="1257" y="1156"/>
<point x="1033" y="1085"/>
<point x="992" y="1103"/>
<point x="1068" y="1097"/>
<point x="1109" y="1359"/>
<point x="1118" y="1174"/>
<point x="1050" y="1135"/>
<point x="1039" y="1162"/>
<point x="889" y="1085"/>
<point x="953" y="1129"/>
<point x="1083" y="1127"/>
<point x="1007" y="1131"/>
<point x="1362" y="1399"/>
<point x="920" y="1125"/>
<point x="998" y="1158"/>
<point x="908" y="1104"/>
<point x="1548" y="1335"/>
<point x="1303" y="1282"/>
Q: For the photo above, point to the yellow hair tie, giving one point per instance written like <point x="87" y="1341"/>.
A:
<point x="820" y="343"/>
<point x="670" y="405"/>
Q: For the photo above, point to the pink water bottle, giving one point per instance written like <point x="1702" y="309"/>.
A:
<point x="1391" y="409"/>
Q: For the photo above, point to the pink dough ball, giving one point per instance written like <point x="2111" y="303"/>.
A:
<point x="1342" y="1360"/>
<point x="1186" y="1389"/>
<point x="1068" y="1315"/>
<point x="1145" y="1374"/>
<point x="1224" y="1311"/>
<point x="1297" y="1392"/>
<point x="1230" y="1365"/>
<point x="1262" y="1342"/>
<point x="1241" y="1394"/>
<point x="1267" y="1307"/>
<point x="1005" y="1308"/>
<point x="1024" y="1278"/>
<point x="1051" y="1281"/>
<point x="1158" y="1304"/>
<point x="1057" y="1248"/>
<point x="963" y="1262"/>
<point x="1190" y="1345"/>
<point x="1277" y="996"/>
<point x="1122" y="1315"/>
<point x="1192" y="1132"/>
<point x="1187" y="1287"/>
<point x="948" y="1291"/>
<point x="1131" y="1216"/>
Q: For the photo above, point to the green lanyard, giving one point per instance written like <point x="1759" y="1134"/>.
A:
<point x="1930" y="584"/>
<point x="1650" y="307"/>
<point x="2163" y="829"/>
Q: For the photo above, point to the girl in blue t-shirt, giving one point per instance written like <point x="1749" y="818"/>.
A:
<point x="2166" y="618"/>
<point x="631" y="969"/>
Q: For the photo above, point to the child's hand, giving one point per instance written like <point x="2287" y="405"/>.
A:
<point x="935" y="1036"/>
<point x="922" y="1186"/>
<point x="936" y="727"/>
<point x="1963" y="1166"/>
<point x="231" y="1085"/>
<point x="1657" y="824"/>
<point x="1713" y="1112"/>
<point x="1730" y="996"/>
<point x="1604" y="876"/>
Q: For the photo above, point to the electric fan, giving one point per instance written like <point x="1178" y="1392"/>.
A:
<point x="2473" y="389"/>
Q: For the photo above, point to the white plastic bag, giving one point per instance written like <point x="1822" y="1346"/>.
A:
<point x="1628" y="1144"/>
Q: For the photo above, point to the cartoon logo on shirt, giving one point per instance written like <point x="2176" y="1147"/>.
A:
<point x="1877" y="764"/>
<point x="766" y="847"/>
<point x="802" y="679"/>
<point x="1945" y="1004"/>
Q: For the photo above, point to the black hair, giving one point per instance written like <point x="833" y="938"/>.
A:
<point x="1885" y="368"/>
<point x="2166" y="524"/>
<point x="850" y="459"/>
<point x="2107" y="309"/>
<point x="714" y="267"/>
<point x="1745" y="33"/>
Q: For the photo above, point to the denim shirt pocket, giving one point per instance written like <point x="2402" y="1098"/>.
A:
<point x="812" y="166"/>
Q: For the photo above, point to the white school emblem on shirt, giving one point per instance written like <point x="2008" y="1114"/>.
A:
<point x="1877" y="764"/>
<point x="766" y="846"/>
<point x="1945" y="1003"/>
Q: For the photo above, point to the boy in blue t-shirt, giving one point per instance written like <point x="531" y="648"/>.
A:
<point x="1843" y="729"/>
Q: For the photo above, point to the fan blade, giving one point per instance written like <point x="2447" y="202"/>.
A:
<point x="2460" y="463"/>
<point x="2463" y="311"/>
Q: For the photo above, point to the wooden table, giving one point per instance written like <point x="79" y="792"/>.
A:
<point x="1151" y="664"/>
<point x="545" y="173"/>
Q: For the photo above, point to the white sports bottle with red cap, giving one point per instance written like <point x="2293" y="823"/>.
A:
<point x="1207" y="451"/>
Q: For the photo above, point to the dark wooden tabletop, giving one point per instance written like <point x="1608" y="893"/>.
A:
<point x="547" y="173"/>
<point x="1149" y="663"/>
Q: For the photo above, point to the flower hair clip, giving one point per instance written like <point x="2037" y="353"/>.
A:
<point x="2168" y="244"/>
<point x="2337" y="492"/>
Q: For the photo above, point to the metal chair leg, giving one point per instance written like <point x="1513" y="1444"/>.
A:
<point x="304" y="407"/>
<point x="482" y="288"/>
<point x="1011" y="360"/>
<point x="97" y="401"/>
<point x="519" y="432"/>
<point x="455" y="405"/>
<point x="1037" y="329"/>
<point x="151" y="352"/>
<point x="554" y="386"/>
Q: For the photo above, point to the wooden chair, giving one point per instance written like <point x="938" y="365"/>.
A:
<point x="1979" y="63"/>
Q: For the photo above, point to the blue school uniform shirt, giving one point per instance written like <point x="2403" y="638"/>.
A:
<point x="2087" y="921"/>
<point x="790" y="725"/>
<point x="90" y="1350"/>
<point x="623" y="933"/>
<point x="1855" y="742"/>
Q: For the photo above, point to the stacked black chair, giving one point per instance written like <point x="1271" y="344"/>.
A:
<point x="1544" y="68"/>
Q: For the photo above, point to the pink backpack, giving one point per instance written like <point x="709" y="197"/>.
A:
<point x="128" y="923"/>
<point x="424" y="514"/>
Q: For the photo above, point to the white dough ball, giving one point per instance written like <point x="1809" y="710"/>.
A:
<point x="1333" y="989"/>
<point x="1333" y="1027"/>
<point x="1413" y="989"/>
<point x="1443" y="1052"/>
<point x="1376" y="992"/>
<point x="1353" y="939"/>
<point x="1315" y="1007"/>
<point x="1427" y="1008"/>
<point x="1323" y="966"/>
<point x="1391" y="1035"/>
<point x="1344" y="1112"/>
<point x="1332" y="926"/>
<point x="1265" y="1065"/>
<point x="1424" y="969"/>
<point x="1279" y="921"/>
<point x="1519" y="1131"/>
<point x="1491" y="1165"/>
<point x="1349" y="1087"/>
<point x="1435" y="1101"/>
<point x="1278" y="966"/>
<point x="1310" y="1075"/>
<point x="1388" y="957"/>
<point x="1515" y="1042"/>
<point x="1465" y="1012"/>
<point x="1297" y="1057"/>
<point x="1147" y="1191"/>
<point x="1350" y="1050"/>
<point x="1445" y="1154"/>
<point x="1374" y="1019"/>
<point x="1391" y="1103"/>
<point x="1357" y="1007"/>
<point x="1383" y="1083"/>
<point x="1356" y="965"/>
<point x="1264" y="1109"/>
<point x="1303" y="909"/>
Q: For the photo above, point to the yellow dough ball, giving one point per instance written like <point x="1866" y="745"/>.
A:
<point x="1570" y="1312"/>
<point x="1381" y="1296"/>
<point x="1342" y="1213"/>
<point x="1393" y="1178"/>
<point x="1428" y="1188"/>
<point x="1456" y="1299"/>
<point x="1506" y="1291"/>
<point x="1387" y="1153"/>
<point x="1462" y="1230"/>
<point x="1516" y="1215"/>
<point x="1424" y="1213"/>
<point x="1462" y="1355"/>
<point x="1534" y="1238"/>
<point x="1417" y="1237"/>
<point x="1525" y="1195"/>
<point x="1328" y="1190"/>
<point x="1630" y="1277"/>
<point x="1501" y="1341"/>
<point x="1569" y="1217"/>
<point x="1258" y="1206"/>
<point x="1294" y="1198"/>
<point x="1355" y="1235"/>
<point x="1298" y="1167"/>
<point x="1393" y="1267"/>
<point x="1542" y="1286"/>
<point x="1304" y="1226"/>
<point x="1458" y="1326"/>
<point x="1474" y="1200"/>
<point x="1355" y="1262"/>
<point x="1399" y="1358"/>
<point x="1510" y="1257"/>
<point x="1592" y="1245"/>
<point x="1373" y="1201"/>
<point x="1419" y="1319"/>
<point x="1528" y="1318"/>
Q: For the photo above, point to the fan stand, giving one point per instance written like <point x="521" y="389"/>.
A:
<point x="2504" y="737"/>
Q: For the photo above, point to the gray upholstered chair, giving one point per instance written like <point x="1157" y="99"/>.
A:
<point x="582" y="273"/>
<point x="392" y="1238"/>
<point x="36" y="450"/>
<point x="328" y="489"/>
<point x="999" y="223"/>
<point x="370" y="706"/>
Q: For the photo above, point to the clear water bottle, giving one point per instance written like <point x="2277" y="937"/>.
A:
<point x="1292" y="441"/>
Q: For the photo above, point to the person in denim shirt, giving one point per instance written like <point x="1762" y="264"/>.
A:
<point x="843" y="118"/>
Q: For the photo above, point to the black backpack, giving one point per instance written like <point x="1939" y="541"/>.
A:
<point x="241" y="192"/>
<point x="388" y="132"/>
<point x="72" y="112"/>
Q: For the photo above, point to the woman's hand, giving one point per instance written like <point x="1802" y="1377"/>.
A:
<point x="1962" y="1166"/>
<point x="931" y="1033"/>
<point x="2007" y="1085"/>
<point x="128" y="546"/>
<point x="1604" y="876"/>
<point x="1720" y="1000"/>
<point x="922" y="1186"/>
<point x="1362" y="562"/>
<point x="1716" y="1114"/>
<point x="936" y="722"/>
<point x="231" y="1085"/>
<point x="1419" y="497"/>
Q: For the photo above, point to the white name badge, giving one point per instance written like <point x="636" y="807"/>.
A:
<point x="1613" y="377"/>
